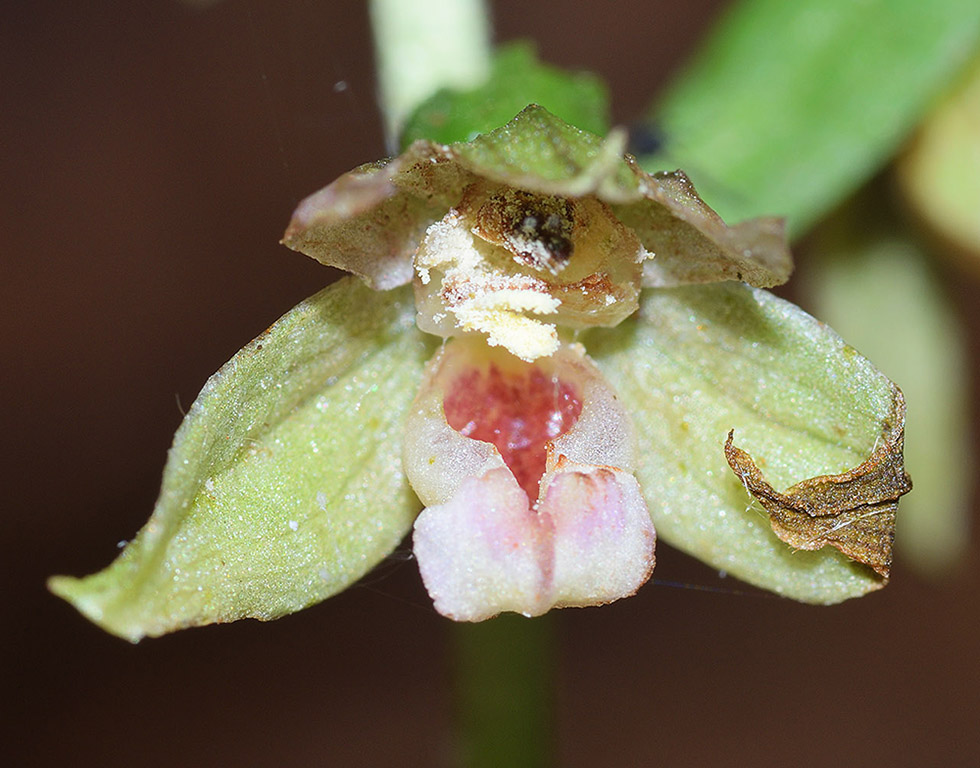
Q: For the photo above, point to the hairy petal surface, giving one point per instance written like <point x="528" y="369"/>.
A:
<point x="284" y="483"/>
<point x="697" y="362"/>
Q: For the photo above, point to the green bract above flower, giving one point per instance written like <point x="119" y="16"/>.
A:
<point x="290" y="476"/>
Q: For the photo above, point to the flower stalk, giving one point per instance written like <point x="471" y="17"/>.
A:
<point x="423" y="46"/>
<point x="504" y="692"/>
<point x="503" y="667"/>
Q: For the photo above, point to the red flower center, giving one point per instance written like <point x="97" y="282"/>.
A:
<point x="519" y="411"/>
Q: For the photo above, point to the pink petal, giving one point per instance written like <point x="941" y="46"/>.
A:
<point x="486" y="550"/>
<point x="603" y="539"/>
<point x="480" y="553"/>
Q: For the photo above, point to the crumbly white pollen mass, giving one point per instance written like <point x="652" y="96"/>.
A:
<point x="512" y="266"/>
<point x="477" y="296"/>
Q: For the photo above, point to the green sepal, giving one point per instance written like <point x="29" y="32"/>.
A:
<point x="538" y="151"/>
<point x="788" y="107"/>
<point x="517" y="78"/>
<point x="699" y="361"/>
<point x="284" y="483"/>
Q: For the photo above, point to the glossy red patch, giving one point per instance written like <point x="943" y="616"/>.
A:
<point x="518" y="411"/>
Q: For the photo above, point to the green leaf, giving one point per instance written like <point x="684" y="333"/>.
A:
<point x="284" y="483"/>
<point x="516" y="80"/>
<point x="877" y="288"/>
<point x="699" y="361"/>
<point x="788" y="107"/>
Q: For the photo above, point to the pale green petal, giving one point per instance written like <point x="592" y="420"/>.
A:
<point x="881" y="293"/>
<point x="539" y="152"/>
<point x="697" y="362"/>
<point x="284" y="484"/>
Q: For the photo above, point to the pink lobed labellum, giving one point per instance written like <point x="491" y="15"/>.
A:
<point x="526" y="473"/>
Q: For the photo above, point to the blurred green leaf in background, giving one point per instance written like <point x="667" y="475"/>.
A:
<point x="789" y="107"/>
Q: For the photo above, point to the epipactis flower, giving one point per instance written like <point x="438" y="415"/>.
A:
<point x="522" y="356"/>
<point x="524" y="456"/>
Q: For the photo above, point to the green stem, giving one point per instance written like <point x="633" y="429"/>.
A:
<point x="424" y="45"/>
<point x="504" y="692"/>
<point x="503" y="666"/>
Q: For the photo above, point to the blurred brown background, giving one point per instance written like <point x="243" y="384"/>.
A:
<point x="151" y="155"/>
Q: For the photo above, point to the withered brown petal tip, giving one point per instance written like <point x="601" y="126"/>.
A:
<point x="853" y="511"/>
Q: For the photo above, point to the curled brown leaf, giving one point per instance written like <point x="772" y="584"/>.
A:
<point x="853" y="511"/>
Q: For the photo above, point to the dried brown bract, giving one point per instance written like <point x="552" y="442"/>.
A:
<point x="853" y="511"/>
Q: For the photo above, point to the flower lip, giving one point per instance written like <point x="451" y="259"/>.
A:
<point x="519" y="409"/>
<point x="588" y="541"/>
<point x="585" y="423"/>
<point x="526" y="473"/>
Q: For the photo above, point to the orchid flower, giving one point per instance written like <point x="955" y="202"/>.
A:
<point x="547" y="347"/>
